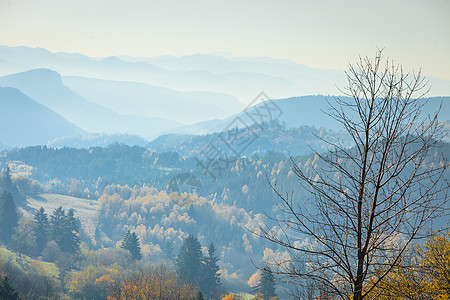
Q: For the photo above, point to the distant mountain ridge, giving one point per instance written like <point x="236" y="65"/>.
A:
<point x="46" y="87"/>
<point x="26" y="122"/>
<point x="125" y="98"/>
<point x="153" y="101"/>
<point x="242" y="77"/>
<point x="240" y="83"/>
<point x="255" y="140"/>
<point x="295" y="112"/>
<point x="97" y="140"/>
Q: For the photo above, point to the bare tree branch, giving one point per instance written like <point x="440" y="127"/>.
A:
<point x="369" y="202"/>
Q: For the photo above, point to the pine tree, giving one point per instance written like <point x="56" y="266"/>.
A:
<point x="42" y="229"/>
<point x="64" y="230"/>
<point x="58" y="228"/>
<point x="189" y="261"/>
<point x="266" y="285"/>
<point x="7" y="185"/>
<point x="72" y="236"/>
<point x="168" y="250"/>
<point x="211" y="277"/>
<point x="8" y="217"/>
<point x="199" y="296"/>
<point x="97" y="238"/>
<point x="7" y="291"/>
<point x="131" y="243"/>
<point x="6" y="181"/>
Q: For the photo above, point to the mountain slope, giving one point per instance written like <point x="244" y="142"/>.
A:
<point x="298" y="111"/>
<point x="257" y="140"/>
<point x="46" y="87"/>
<point x="97" y="140"/>
<point x="26" y="122"/>
<point x="242" y="77"/>
<point x="244" y="85"/>
<point x="152" y="101"/>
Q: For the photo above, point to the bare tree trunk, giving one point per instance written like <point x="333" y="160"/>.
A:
<point x="370" y="202"/>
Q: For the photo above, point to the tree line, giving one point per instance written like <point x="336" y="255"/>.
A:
<point x="61" y="227"/>
<point x="195" y="268"/>
<point x="192" y="267"/>
<point x="32" y="236"/>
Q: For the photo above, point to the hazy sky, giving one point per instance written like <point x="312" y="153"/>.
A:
<point x="323" y="34"/>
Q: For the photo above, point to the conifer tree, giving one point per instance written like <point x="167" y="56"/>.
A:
<point x="131" y="243"/>
<point x="189" y="261"/>
<point x="266" y="285"/>
<point x="42" y="229"/>
<point x="7" y="185"/>
<point x="7" y="291"/>
<point x="98" y="238"/>
<point x="72" y="236"/>
<point x="6" y="181"/>
<point x="199" y="296"/>
<point x="168" y="250"/>
<point x="57" y="227"/>
<point x="64" y="230"/>
<point x="211" y="277"/>
<point x="8" y="217"/>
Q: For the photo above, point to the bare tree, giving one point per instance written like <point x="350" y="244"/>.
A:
<point x="370" y="202"/>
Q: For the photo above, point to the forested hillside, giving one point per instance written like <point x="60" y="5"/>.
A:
<point x="163" y="197"/>
<point x="224" y="150"/>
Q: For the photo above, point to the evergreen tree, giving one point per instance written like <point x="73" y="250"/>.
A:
<point x="98" y="238"/>
<point x="58" y="227"/>
<point x="72" y="236"/>
<point x="42" y="229"/>
<point x="199" y="296"/>
<point x="65" y="230"/>
<point x="189" y="261"/>
<point x="6" y="181"/>
<point x="7" y="291"/>
<point x="168" y="250"/>
<point x="131" y="243"/>
<point x="8" y="217"/>
<point x="211" y="277"/>
<point x="7" y="185"/>
<point x="266" y="285"/>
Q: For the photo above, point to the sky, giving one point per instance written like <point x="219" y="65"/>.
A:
<point x="326" y="34"/>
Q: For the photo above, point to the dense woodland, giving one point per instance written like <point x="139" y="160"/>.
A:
<point x="180" y="177"/>
<point x="154" y="228"/>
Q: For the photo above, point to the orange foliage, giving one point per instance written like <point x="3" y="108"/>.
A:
<point x="228" y="297"/>
<point x="158" y="285"/>
<point x="259" y="296"/>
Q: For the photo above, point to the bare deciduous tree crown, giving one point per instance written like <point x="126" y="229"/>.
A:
<point x="371" y="201"/>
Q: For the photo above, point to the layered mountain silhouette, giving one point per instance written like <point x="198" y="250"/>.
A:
<point x="242" y="77"/>
<point x="46" y="87"/>
<point x="27" y="122"/>
<point x="122" y="98"/>
<point x="295" y="112"/>
<point x="152" y="101"/>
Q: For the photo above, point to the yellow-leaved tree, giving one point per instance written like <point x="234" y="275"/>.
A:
<point x="160" y="284"/>
<point x="424" y="276"/>
<point x="94" y="282"/>
<point x="228" y="297"/>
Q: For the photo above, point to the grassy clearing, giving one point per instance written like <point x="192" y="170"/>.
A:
<point x="85" y="209"/>
<point x="28" y="265"/>
<point x="243" y="296"/>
